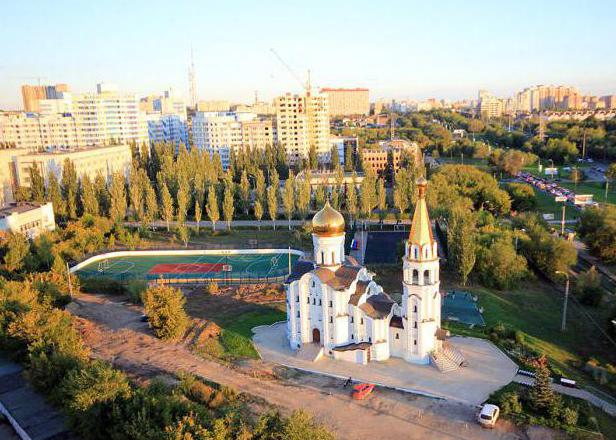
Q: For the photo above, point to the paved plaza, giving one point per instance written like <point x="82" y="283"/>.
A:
<point x="489" y="369"/>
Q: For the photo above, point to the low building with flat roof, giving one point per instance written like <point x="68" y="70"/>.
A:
<point x="30" y="219"/>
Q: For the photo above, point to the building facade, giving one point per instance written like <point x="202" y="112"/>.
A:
<point x="339" y="310"/>
<point x="35" y="132"/>
<point x="347" y="102"/>
<point x="302" y="121"/>
<point x="28" y="219"/>
<point x="31" y="95"/>
<point x="89" y="161"/>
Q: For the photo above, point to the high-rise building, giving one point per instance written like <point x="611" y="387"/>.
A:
<point x="32" y="94"/>
<point x="348" y="102"/>
<point x="109" y="116"/>
<point x="213" y="106"/>
<point x="166" y="118"/>
<point x="489" y="106"/>
<point x="35" y="132"/>
<point x="221" y="132"/>
<point x="302" y="121"/>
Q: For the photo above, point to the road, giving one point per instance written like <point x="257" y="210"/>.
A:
<point x="115" y="333"/>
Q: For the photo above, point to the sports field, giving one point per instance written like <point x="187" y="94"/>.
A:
<point x="224" y="267"/>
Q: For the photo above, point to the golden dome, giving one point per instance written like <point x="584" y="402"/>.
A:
<point x="328" y="221"/>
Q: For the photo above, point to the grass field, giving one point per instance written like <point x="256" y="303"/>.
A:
<point x="597" y="189"/>
<point x="547" y="205"/>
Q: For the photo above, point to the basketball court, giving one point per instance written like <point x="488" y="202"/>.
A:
<point x="219" y="267"/>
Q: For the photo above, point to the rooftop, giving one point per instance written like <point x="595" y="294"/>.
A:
<point x="18" y="208"/>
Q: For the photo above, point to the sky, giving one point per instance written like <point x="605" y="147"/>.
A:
<point x="398" y="49"/>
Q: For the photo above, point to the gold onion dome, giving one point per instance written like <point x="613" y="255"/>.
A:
<point x="328" y="221"/>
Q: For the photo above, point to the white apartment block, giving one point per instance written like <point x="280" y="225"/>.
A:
<point x="35" y="132"/>
<point x="89" y="161"/>
<point x="221" y="132"/>
<point x="108" y="116"/>
<point x="302" y="121"/>
<point x="27" y="218"/>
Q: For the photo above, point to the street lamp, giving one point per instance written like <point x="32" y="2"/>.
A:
<point x="607" y="185"/>
<point x="517" y="236"/>
<point x="564" y="320"/>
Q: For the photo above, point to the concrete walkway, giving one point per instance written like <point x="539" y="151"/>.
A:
<point x="489" y="369"/>
<point x="573" y="392"/>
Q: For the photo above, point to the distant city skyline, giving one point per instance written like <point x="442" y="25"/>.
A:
<point x="402" y="50"/>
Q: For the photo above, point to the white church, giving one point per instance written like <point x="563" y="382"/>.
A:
<point x="337" y="308"/>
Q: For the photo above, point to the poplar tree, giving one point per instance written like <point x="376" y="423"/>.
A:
<point x="37" y="184"/>
<point x="319" y="196"/>
<point x="348" y="159"/>
<point x="102" y="194"/>
<point x="313" y="161"/>
<point x="151" y="205"/>
<point x="303" y="195"/>
<point x="117" y="191"/>
<point x="136" y="190"/>
<point x="166" y="204"/>
<point x="367" y="195"/>
<point x="198" y="213"/>
<point x="245" y="192"/>
<point x="69" y="188"/>
<point x="54" y="195"/>
<point x="272" y="203"/>
<point x="212" y="206"/>
<point x="227" y="204"/>
<point x="381" y="198"/>
<point x="335" y="158"/>
<point x="338" y="189"/>
<point x="351" y="197"/>
<point x="89" y="202"/>
<point x="288" y="198"/>
<point x="258" y="212"/>
<point x="260" y="187"/>
<point x="182" y="203"/>
<point x="461" y="241"/>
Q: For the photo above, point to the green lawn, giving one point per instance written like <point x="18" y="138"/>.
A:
<point x="536" y="310"/>
<point x="597" y="189"/>
<point x="236" y="336"/>
<point x="547" y="205"/>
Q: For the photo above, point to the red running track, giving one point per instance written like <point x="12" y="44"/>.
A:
<point x="186" y="268"/>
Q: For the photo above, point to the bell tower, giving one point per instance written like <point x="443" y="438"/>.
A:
<point x="421" y="300"/>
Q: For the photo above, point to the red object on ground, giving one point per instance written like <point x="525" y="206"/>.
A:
<point x="186" y="268"/>
<point x="362" y="390"/>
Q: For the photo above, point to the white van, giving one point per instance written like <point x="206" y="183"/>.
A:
<point x="488" y="415"/>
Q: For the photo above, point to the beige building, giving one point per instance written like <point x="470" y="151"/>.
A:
<point x="89" y="161"/>
<point x="490" y="106"/>
<point x="35" y="132"/>
<point x="348" y="102"/>
<point x="302" y="121"/>
<point x="27" y="218"/>
<point x="213" y="106"/>
<point x="391" y="153"/>
<point x="32" y="94"/>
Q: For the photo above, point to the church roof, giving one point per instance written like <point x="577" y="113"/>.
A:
<point x="360" y="289"/>
<point x="378" y="306"/>
<point x="396" y="321"/>
<point x="300" y="268"/>
<point x="421" y="229"/>
<point x="328" y="221"/>
<point x="340" y="279"/>
<point x="353" y="346"/>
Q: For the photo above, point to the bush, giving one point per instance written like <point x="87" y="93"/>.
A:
<point x="569" y="416"/>
<point x="102" y="285"/>
<point x="134" y="290"/>
<point x="510" y="403"/>
<point x="164" y="307"/>
<point x="212" y="288"/>
<point x="588" y="287"/>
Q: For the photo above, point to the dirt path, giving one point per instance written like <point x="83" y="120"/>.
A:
<point x="115" y="333"/>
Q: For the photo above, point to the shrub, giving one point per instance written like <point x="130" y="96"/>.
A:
<point x="164" y="307"/>
<point x="588" y="287"/>
<point x="134" y="289"/>
<point x="569" y="416"/>
<point x="510" y="403"/>
<point x="102" y="285"/>
<point x="212" y="288"/>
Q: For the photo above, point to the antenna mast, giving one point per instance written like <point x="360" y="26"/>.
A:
<point x="192" y="81"/>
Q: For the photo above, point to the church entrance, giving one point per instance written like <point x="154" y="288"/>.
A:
<point x="316" y="336"/>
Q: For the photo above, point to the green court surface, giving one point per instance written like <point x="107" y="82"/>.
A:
<point x="461" y="307"/>
<point x="220" y="267"/>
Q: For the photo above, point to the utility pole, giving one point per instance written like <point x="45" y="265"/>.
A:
<point x="584" y="143"/>
<point x="607" y="185"/>
<point x="192" y="81"/>
<point x="564" y="318"/>
<point x="392" y="126"/>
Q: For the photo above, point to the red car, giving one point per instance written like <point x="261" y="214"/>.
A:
<point x="362" y="390"/>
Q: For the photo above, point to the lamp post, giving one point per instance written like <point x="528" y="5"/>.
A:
<point x="517" y="236"/>
<point x="564" y="319"/>
<point x="607" y="185"/>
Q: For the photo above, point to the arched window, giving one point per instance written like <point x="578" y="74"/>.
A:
<point x="415" y="279"/>
<point x="426" y="276"/>
<point x="426" y="252"/>
<point x="416" y="253"/>
<point x="322" y="257"/>
<point x="333" y="257"/>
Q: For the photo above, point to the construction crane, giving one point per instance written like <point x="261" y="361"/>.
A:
<point x="305" y="85"/>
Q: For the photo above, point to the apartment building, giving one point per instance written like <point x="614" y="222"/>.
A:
<point x="36" y="132"/>
<point x="347" y="102"/>
<point x="221" y="132"/>
<point x="89" y="161"/>
<point x="213" y="106"/>
<point x="302" y="121"/>
<point x="29" y="219"/>
<point x="166" y="118"/>
<point x="541" y="97"/>
<point x="31" y="95"/>
<point x="391" y="154"/>
<point x="490" y="106"/>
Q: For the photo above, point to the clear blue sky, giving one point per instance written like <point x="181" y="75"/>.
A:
<point x="399" y="49"/>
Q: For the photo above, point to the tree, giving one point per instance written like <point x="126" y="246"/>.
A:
<point x="577" y="175"/>
<point x="260" y="187"/>
<point x="70" y="186"/>
<point x="89" y="201"/>
<point x="348" y="159"/>
<point x="475" y="126"/>
<point x="102" y="194"/>
<point x="461" y="241"/>
<point x="212" y="207"/>
<point x="522" y="195"/>
<point x="166" y="204"/>
<point x="258" y="212"/>
<point x="117" y="191"/>
<point x="245" y="192"/>
<point x="183" y="234"/>
<point x="164" y="307"/>
<point x="303" y="195"/>
<point x="381" y="198"/>
<point x="37" y="184"/>
<point x="588" y="287"/>
<point x="151" y="205"/>
<point x="351" y="197"/>
<point x="401" y="196"/>
<point x="335" y="158"/>
<point x="499" y="266"/>
<point x="541" y="395"/>
<point x="597" y="229"/>
<point x="367" y="194"/>
<point x="288" y="198"/>
<point x="272" y="203"/>
<point x="54" y="195"/>
<point x="560" y="151"/>
<point x="198" y="213"/>
<point x="183" y="198"/>
<point x="227" y="204"/>
<point x="16" y="249"/>
<point x="610" y="172"/>
<point x="313" y="160"/>
<point x="319" y="196"/>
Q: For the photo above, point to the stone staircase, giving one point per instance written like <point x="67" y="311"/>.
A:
<point x="448" y="359"/>
<point x="310" y="352"/>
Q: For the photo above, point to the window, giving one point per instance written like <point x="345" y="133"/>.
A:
<point x="313" y="283"/>
<point x="414" y="341"/>
<point x="307" y="300"/>
<point x="333" y="257"/>
<point x="331" y="304"/>
<point x="322" y="257"/>
<point x="415" y="308"/>
<point x="352" y="336"/>
<point x="331" y="319"/>
<point x="320" y="303"/>
<point x="361" y="321"/>
<point x="369" y="339"/>
<point x="415" y="325"/>
<point x="415" y="279"/>
<point x="397" y="335"/>
<point x="297" y="298"/>
<point x="352" y="320"/>
<point x="298" y="313"/>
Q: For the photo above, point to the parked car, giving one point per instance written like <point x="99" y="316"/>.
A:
<point x="488" y="415"/>
<point x="362" y="390"/>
